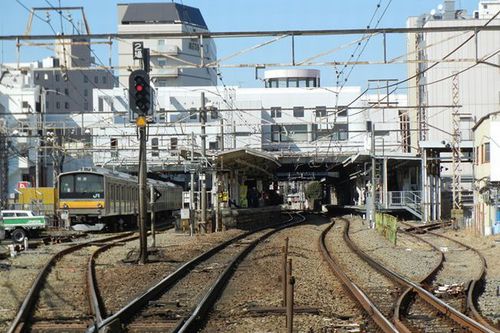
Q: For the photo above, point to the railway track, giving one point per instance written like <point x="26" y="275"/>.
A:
<point x="463" y="271"/>
<point x="439" y="316"/>
<point x="64" y="296"/>
<point x="180" y="301"/>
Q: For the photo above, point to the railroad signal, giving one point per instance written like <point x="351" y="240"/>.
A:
<point x="139" y="93"/>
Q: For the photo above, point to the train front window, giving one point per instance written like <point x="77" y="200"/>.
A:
<point x="67" y="184"/>
<point x="84" y="186"/>
<point x="89" y="185"/>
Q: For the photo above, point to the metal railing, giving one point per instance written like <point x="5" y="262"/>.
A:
<point x="409" y="199"/>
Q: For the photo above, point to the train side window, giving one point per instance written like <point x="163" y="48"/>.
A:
<point x="113" y="197"/>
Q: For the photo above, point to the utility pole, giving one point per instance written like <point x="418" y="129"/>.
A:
<point x="191" y="192"/>
<point x="456" y="158"/>
<point x="203" y="119"/>
<point x="370" y="205"/>
<point x="4" y="165"/>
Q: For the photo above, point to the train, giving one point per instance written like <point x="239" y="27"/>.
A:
<point x="97" y="199"/>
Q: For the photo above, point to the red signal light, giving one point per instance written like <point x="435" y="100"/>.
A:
<point x="139" y="88"/>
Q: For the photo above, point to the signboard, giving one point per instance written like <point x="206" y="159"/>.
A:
<point x="223" y="196"/>
<point x="23" y="185"/>
<point x="157" y="195"/>
<point x="137" y="50"/>
<point x="184" y="213"/>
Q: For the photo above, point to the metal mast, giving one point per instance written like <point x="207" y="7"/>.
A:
<point x="455" y="146"/>
<point x="4" y="165"/>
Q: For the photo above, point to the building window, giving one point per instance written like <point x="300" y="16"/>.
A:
<point x="104" y="80"/>
<point x="57" y="91"/>
<point x="66" y="105"/>
<point x="193" y="44"/>
<point x="276" y="112"/>
<point x="114" y="147"/>
<point x="193" y="113"/>
<point x="86" y="105"/>
<point x="85" y="92"/>
<point x="213" y="145"/>
<point x="162" y="62"/>
<point x="173" y="143"/>
<point x="298" y="111"/>
<point x="214" y="114"/>
<point x="58" y="105"/>
<point x="45" y="76"/>
<point x="57" y="77"/>
<point x="26" y="105"/>
<point x="342" y="111"/>
<point x="161" y="42"/>
<point x="486" y="152"/>
<point x="320" y="111"/>
<point x="46" y="105"/>
<point x="275" y="133"/>
<point x="85" y="79"/>
<point x="96" y="79"/>
<point x="66" y="92"/>
<point x="154" y="147"/>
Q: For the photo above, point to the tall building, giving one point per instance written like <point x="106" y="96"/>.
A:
<point x="70" y="77"/>
<point x="20" y="109"/>
<point x="167" y="54"/>
<point x="465" y="82"/>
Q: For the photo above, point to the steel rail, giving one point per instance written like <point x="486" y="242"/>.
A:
<point x="371" y="309"/>
<point x="435" y="302"/>
<point x="196" y="319"/>
<point x="95" y="301"/>
<point x="474" y="286"/>
<point x="406" y="297"/>
<point x="128" y="311"/>
<point x="21" y="320"/>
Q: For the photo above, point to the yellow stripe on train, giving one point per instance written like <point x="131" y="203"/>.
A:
<point x="80" y="204"/>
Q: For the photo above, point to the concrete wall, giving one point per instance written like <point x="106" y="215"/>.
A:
<point x="251" y="218"/>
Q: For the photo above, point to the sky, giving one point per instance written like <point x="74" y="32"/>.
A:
<point x="254" y="15"/>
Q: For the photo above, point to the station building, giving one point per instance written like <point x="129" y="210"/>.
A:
<point x="313" y="132"/>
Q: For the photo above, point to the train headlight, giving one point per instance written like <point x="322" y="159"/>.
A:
<point x="65" y="206"/>
<point x="99" y="205"/>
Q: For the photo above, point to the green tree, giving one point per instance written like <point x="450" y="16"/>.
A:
<point x="314" y="194"/>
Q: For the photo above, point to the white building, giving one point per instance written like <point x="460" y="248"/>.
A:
<point x="20" y="111"/>
<point x="167" y="54"/>
<point x="475" y="90"/>
<point x="293" y="121"/>
<point x="487" y="175"/>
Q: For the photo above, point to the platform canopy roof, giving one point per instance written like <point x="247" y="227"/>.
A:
<point x="251" y="162"/>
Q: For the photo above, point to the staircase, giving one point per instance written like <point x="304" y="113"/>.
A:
<point x="407" y="200"/>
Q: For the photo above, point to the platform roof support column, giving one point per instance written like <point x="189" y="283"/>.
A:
<point x="384" y="188"/>
<point x="425" y="188"/>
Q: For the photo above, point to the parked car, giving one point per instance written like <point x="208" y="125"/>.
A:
<point x="21" y="223"/>
<point x="2" y="228"/>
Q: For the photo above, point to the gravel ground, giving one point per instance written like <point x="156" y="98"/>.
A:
<point x="414" y="260"/>
<point x="17" y="276"/>
<point x="410" y="257"/>
<point x="256" y="283"/>
<point x="489" y="247"/>
<point x="119" y="282"/>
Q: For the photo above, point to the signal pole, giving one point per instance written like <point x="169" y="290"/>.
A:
<point x="141" y="105"/>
